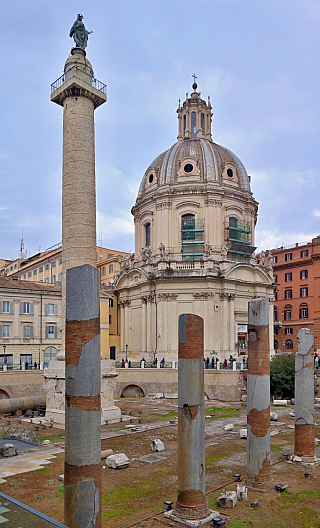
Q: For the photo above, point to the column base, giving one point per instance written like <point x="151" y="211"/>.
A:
<point x="305" y="460"/>
<point x="258" y="482"/>
<point x="193" y="523"/>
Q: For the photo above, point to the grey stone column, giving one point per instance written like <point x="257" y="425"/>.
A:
<point x="304" y="445"/>
<point x="80" y="294"/>
<point x="191" y="501"/>
<point x="258" y="395"/>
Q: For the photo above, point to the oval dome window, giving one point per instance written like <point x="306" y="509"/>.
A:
<point x="188" y="167"/>
<point x="151" y="178"/>
<point x="230" y="173"/>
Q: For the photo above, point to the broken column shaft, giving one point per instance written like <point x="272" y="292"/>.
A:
<point x="258" y="395"/>
<point x="304" y="445"/>
<point x="81" y="292"/>
<point x="191" y="501"/>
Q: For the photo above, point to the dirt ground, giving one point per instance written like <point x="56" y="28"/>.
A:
<point x="134" y="496"/>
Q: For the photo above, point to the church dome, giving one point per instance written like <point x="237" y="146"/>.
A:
<point x="195" y="159"/>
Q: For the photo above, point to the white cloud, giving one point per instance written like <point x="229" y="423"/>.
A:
<point x="114" y="226"/>
<point x="316" y="212"/>
<point x="271" y="239"/>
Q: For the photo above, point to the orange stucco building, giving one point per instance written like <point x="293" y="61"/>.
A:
<point x="297" y="300"/>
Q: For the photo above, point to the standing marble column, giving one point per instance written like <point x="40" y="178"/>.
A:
<point x="304" y="445"/>
<point x="81" y="292"/>
<point x="191" y="502"/>
<point x="258" y="395"/>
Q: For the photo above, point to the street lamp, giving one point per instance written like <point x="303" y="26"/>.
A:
<point x="127" y="353"/>
<point x="4" y="354"/>
<point x="284" y="345"/>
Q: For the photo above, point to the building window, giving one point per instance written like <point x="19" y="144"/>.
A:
<point x="46" y="279"/>
<point x="275" y="259"/>
<point x="275" y="277"/>
<point x="148" y="234"/>
<point x="26" y="359"/>
<point x="46" y="267"/>
<point x="276" y="296"/>
<point x="287" y="314"/>
<point x="11" y="268"/>
<point x="26" y="308"/>
<point x="7" y="307"/>
<point x="276" y="344"/>
<point x="288" y="331"/>
<point x="303" y="274"/>
<point x="60" y="277"/>
<point x="304" y="253"/>
<point x="303" y="292"/>
<point x="29" y="274"/>
<point x="110" y="255"/>
<point x="15" y="266"/>
<point x="60" y="261"/>
<point x="193" y="125"/>
<point x="110" y="319"/>
<point x="289" y="345"/>
<point x="276" y="330"/>
<point x="288" y="294"/>
<point x="5" y="331"/>
<point x="110" y="268"/>
<point x="184" y="123"/>
<point x="41" y="269"/>
<point x="51" y="332"/>
<point x="288" y="277"/>
<point x="202" y="123"/>
<point x="288" y="256"/>
<point x="275" y="314"/>
<point x="34" y="272"/>
<point x="111" y="302"/>
<point x="303" y="312"/>
<point x="53" y="265"/>
<point x="53" y="279"/>
<point x="103" y="270"/>
<point x="27" y="331"/>
<point x="51" y="309"/>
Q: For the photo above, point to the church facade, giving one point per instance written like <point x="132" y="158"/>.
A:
<point x="195" y="218"/>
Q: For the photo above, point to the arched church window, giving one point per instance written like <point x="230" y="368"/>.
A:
<point x="184" y="123"/>
<point x="202" y="123"/>
<point x="187" y="227"/>
<point x="289" y="344"/>
<point x="148" y="234"/>
<point x="193" y="124"/>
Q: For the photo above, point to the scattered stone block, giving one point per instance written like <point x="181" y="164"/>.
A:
<point x="280" y="403"/>
<point x="8" y="450"/>
<point x="243" y="398"/>
<point x="273" y="416"/>
<point x="117" y="461"/>
<point x="150" y="459"/>
<point x="156" y="395"/>
<point x="227" y="499"/>
<point x="106" y="452"/>
<point x="157" y="445"/>
<point x="61" y="478"/>
<point x="228" y="427"/>
<point x="242" y="493"/>
<point x="171" y="395"/>
<point x="243" y="433"/>
<point x="296" y="458"/>
<point x="273" y="433"/>
<point x="46" y="442"/>
<point x="292" y="415"/>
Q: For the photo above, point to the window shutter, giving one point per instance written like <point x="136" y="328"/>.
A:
<point x="46" y="309"/>
<point x="47" y="332"/>
<point x="24" y="332"/>
<point x="1" y="306"/>
<point x="55" y="332"/>
<point x="55" y="309"/>
<point x="11" y="307"/>
<point x="21" y="308"/>
<point x="31" y="332"/>
<point x="0" y="330"/>
<point x="31" y="308"/>
<point x="300" y="313"/>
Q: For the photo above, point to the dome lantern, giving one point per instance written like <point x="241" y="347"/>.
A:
<point x="194" y="116"/>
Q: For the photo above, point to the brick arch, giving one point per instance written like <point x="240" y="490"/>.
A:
<point x="132" y="390"/>
<point x="4" y="394"/>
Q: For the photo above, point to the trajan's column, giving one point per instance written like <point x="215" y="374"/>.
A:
<point x="80" y="94"/>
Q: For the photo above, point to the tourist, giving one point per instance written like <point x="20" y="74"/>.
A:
<point x="122" y="363"/>
<point x="225" y="363"/>
<point x="162" y="362"/>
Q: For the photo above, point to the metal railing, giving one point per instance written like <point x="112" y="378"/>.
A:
<point x="17" y="433"/>
<point x="81" y="74"/>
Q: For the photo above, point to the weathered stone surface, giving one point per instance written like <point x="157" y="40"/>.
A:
<point x="117" y="461"/>
<point x="243" y="433"/>
<point x="227" y="499"/>
<point x="228" y="427"/>
<point x="8" y="450"/>
<point x="242" y="493"/>
<point x="280" y="403"/>
<point x="273" y="416"/>
<point x="157" y="445"/>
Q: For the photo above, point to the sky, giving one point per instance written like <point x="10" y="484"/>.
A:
<point x="257" y="59"/>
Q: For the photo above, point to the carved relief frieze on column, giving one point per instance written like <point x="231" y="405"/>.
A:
<point x="150" y="298"/>
<point x="223" y="296"/>
<point x="144" y="299"/>
<point x="203" y="296"/>
<point x="167" y="296"/>
<point x="164" y="205"/>
<point x="211" y="201"/>
<point x="124" y="304"/>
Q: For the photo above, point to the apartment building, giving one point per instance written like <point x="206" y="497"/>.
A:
<point x="296" y="271"/>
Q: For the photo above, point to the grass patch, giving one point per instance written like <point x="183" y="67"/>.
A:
<point x="60" y="491"/>
<point x="43" y="471"/>
<point x="211" y="460"/>
<point x="221" y="412"/>
<point x="120" y="500"/>
<point x="168" y="416"/>
<point x="54" y="438"/>
<point x="238" y="523"/>
<point x="309" y="493"/>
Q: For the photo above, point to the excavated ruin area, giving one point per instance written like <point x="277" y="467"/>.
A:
<point x="134" y="496"/>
